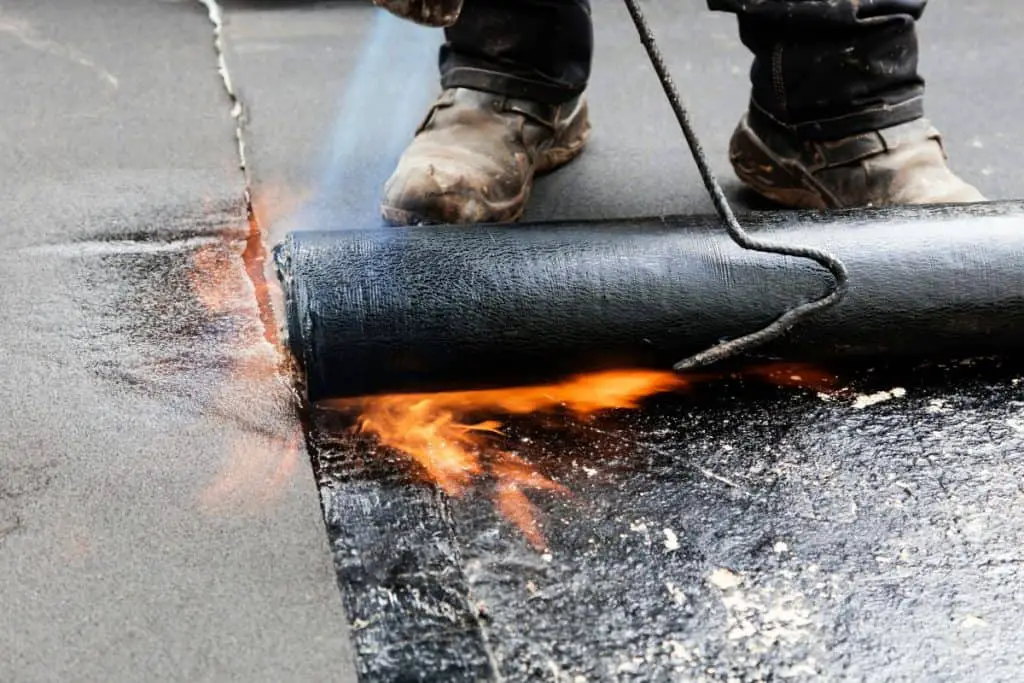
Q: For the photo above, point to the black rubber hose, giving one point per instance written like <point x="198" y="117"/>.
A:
<point x="444" y="307"/>
<point x="798" y="312"/>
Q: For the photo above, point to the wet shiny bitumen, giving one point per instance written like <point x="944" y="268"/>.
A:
<point x="736" y="532"/>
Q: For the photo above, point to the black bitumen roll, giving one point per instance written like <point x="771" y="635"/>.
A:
<point x="434" y="308"/>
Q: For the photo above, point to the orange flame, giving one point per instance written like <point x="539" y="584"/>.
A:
<point x="432" y="430"/>
<point x="513" y="475"/>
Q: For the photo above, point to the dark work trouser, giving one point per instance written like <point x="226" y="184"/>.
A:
<point x="824" y="68"/>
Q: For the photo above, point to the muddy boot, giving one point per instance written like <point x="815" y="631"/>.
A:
<point x="903" y="164"/>
<point x="474" y="158"/>
<point x="435" y="13"/>
<point x="836" y="115"/>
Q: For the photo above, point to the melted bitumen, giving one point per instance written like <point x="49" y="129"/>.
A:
<point x="737" y="532"/>
<point x="398" y="563"/>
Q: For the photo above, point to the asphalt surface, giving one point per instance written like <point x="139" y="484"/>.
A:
<point x="156" y="522"/>
<point x="159" y="517"/>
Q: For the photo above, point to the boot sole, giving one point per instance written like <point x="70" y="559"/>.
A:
<point x="769" y="175"/>
<point x="510" y="211"/>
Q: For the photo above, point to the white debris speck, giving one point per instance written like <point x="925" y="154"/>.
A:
<point x="1015" y="381"/>
<point x="546" y="557"/>
<point x="780" y="547"/>
<point x="677" y="652"/>
<point x="724" y="579"/>
<point x="726" y="447"/>
<point x="590" y="471"/>
<point x="988" y="170"/>
<point x="976" y="143"/>
<point x="741" y="631"/>
<point x="531" y="587"/>
<point x="762" y="620"/>
<point x="972" y="621"/>
<point x="937" y="405"/>
<point x="676" y="593"/>
<point x="671" y="540"/>
<point x="630" y="666"/>
<point x="1016" y="424"/>
<point x="638" y="527"/>
<point x="556" y="672"/>
<point x="865" y="400"/>
<point x="765" y="613"/>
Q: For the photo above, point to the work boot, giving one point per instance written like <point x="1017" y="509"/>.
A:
<point x="903" y="164"/>
<point x="474" y="157"/>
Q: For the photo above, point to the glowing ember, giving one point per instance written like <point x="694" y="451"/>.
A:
<point x="796" y="375"/>
<point x="433" y="430"/>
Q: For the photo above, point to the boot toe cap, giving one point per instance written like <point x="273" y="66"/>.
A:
<point x="450" y="189"/>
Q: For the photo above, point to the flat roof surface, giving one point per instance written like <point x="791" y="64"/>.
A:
<point x="160" y="499"/>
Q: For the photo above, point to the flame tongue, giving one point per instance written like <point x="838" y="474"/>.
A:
<point x="438" y="431"/>
<point x="435" y="432"/>
<point x="513" y="474"/>
<point x="430" y="435"/>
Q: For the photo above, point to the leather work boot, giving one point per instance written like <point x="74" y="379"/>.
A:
<point x="904" y="164"/>
<point x="474" y="157"/>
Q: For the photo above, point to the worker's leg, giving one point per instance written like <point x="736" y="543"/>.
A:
<point x="538" y="50"/>
<point x="836" y="115"/>
<point x="513" y="74"/>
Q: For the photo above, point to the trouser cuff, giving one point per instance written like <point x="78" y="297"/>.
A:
<point x="509" y="85"/>
<point x="846" y="125"/>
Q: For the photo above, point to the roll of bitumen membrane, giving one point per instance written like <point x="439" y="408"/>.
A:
<point x="433" y="308"/>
